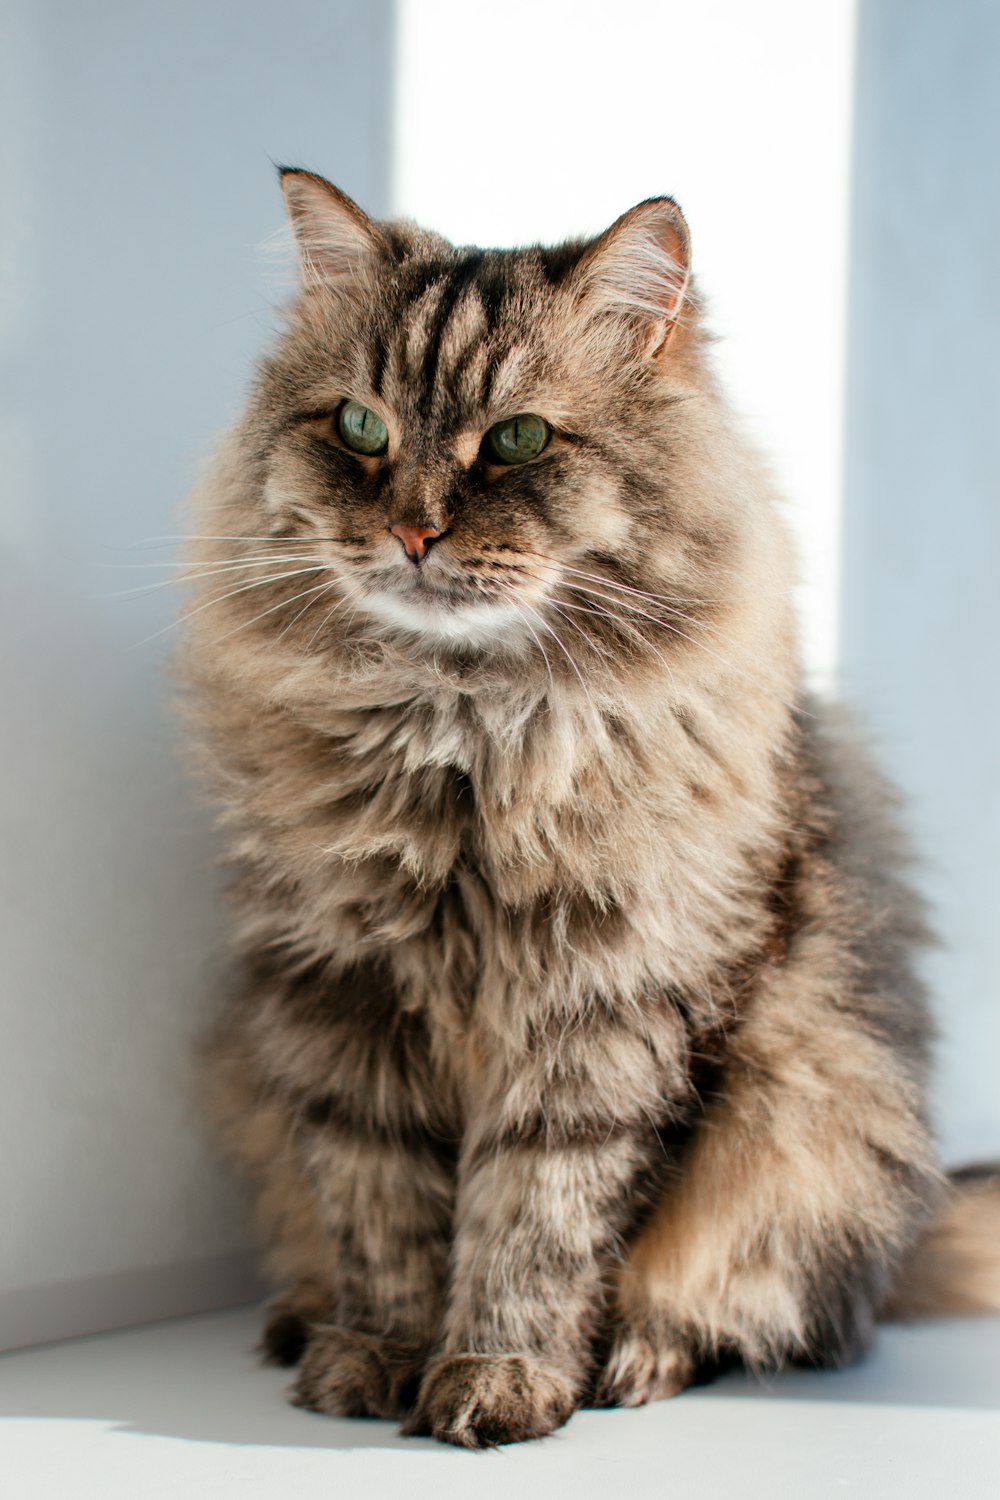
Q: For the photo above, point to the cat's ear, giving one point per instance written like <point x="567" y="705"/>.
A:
<point x="639" y="270"/>
<point x="335" y="239"/>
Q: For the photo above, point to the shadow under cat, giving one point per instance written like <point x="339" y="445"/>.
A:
<point x="198" y="1380"/>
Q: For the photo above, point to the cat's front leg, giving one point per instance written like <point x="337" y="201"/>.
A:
<point x="526" y="1287"/>
<point x="387" y="1204"/>
<point x="546" y="1185"/>
<point x="324" y="1088"/>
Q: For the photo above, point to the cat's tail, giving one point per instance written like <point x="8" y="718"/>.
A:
<point x="956" y="1267"/>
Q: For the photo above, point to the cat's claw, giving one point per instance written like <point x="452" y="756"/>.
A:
<point x="481" y="1400"/>
<point x="349" y="1374"/>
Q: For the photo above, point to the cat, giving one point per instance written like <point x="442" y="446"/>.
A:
<point x="579" y="1048"/>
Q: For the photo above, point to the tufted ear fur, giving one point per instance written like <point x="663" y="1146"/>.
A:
<point x="335" y="239"/>
<point x="639" y="270"/>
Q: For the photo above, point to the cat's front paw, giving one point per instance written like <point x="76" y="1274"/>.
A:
<point x="480" y="1400"/>
<point x="643" y="1366"/>
<point x="349" y="1374"/>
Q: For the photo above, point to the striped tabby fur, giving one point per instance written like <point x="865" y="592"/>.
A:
<point x="580" y="1045"/>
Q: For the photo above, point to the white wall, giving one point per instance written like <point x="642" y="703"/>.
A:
<point x="922" y="517"/>
<point x="136" y="185"/>
<point x="535" y="121"/>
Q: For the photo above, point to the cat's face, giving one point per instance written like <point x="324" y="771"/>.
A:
<point x="467" y="437"/>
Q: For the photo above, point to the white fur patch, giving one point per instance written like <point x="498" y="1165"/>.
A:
<point x="462" y="624"/>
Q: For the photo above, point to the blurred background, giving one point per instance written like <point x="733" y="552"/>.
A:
<point x="838" y="166"/>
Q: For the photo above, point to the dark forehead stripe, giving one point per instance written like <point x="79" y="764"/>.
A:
<point x="490" y="276"/>
<point x="498" y="270"/>
<point x="494" y="287"/>
<point x="458" y="282"/>
<point x="379" y="358"/>
<point x="454" y="378"/>
<point x="491" y="287"/>
<point x="494" y="360"/>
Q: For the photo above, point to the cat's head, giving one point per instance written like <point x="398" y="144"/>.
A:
<point x="478" y="443"/>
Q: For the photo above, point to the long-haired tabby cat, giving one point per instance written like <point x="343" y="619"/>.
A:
<point x="581" y="1046"/>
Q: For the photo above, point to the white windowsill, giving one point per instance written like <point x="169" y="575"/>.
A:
<point x="181" y="1409"/>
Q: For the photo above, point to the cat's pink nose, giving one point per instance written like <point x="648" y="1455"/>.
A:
<point x="415" y="538"/>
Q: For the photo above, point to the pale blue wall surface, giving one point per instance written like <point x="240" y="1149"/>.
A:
<point x="921" y="569"/>
<point x="136" y="182"/>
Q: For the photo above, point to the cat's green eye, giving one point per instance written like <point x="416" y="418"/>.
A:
<point x="361" y="429"/>
<point x="518" y="439"/>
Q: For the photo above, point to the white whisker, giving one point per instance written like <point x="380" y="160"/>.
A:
<point x="282" y="604"/>
<point x="351" y="594"/>
<point x="209" y="562"/>
<point x="262" y="539"/>
<point x="622" y="624"/>
<point x="213" y="572"/>
<point x="522" y="609"/>
<point x="662" y="602"/>
<point x="306" y="607"/>
<point x="627" y="588"/>
<point x="655" y="619"/>
<point x="546" y="626"/>
<point x="590" y="641"/>
<point x="218" y="599"/>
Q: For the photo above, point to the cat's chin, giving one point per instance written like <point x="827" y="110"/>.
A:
<point x="478" y="625"/>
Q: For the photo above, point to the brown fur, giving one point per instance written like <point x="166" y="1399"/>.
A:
<point x="580" y="1043"/>
<point x="956" y="1269"/>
